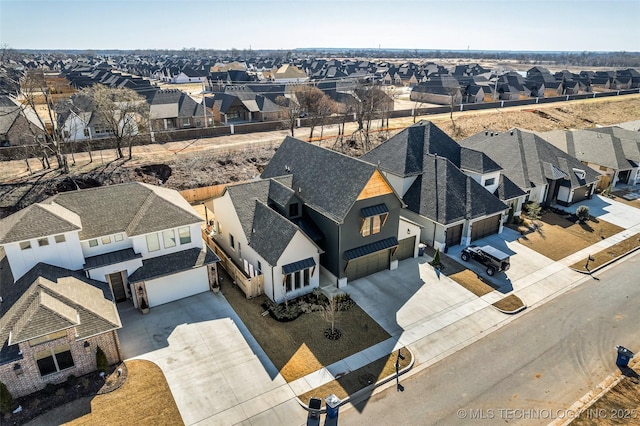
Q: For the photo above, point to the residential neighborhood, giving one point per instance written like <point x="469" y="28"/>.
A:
<point x="256" y="213"/>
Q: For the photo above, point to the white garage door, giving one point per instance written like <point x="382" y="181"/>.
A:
<point x="177" y="286"/>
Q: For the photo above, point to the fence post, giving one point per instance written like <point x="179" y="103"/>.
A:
<point x="231" y="127"/>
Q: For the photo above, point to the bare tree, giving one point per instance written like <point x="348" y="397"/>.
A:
<point x="122" y="112"/>
<point x="315" y="104"/>
<point x="36" y="94"/>
<point x="368" y="104"/>
<point x="329" y="313"/>
<point x="292" y="111"/>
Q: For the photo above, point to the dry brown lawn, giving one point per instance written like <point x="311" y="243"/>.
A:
<point x="619" y="406"/>
<point x="509" y="303"/>
<point x="299" y="347"/>
<point x="144" y="399"/>
<point x="604" y="256"/>
<point x="557" y="237"/>
<point x="358" y="379"/>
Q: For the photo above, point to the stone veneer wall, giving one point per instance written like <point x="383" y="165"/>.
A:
<point x="27" y="378"/>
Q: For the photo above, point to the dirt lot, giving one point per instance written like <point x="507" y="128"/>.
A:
<point x="202" y="162"/>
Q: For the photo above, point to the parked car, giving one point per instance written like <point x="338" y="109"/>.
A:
<point x="494" y="259"/>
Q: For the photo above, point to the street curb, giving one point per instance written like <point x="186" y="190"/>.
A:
<point x="368" y="387"/>
<point x="591" y="397"/>
<point x="607" y="263"/>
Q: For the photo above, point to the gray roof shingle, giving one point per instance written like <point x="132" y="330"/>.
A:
<point x="37" y="221"/>
<point x="331" y="186"/>
<point x="173" y="263"/>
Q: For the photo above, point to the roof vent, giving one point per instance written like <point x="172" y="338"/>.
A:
<point x="581" y="174"/>
<point x="486" y="132"/>
<point x="492" y="134"/>
<point x="512" y="133"/>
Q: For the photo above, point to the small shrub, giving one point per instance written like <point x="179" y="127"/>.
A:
<point x="101" y="360"/>
<point x="72" y="380"/>
<point x="436" y="262"/>
<point x="344" y="301"/>
<point x="534" y="211"/>
<point x="582" y="212"/>
<point x="7" y="404"/>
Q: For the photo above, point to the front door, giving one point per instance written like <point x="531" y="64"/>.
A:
<point x="117" y="286"/>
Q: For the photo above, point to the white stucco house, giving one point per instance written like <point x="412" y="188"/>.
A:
<point x="258" y="225"/>
<point x="143" y="240"/>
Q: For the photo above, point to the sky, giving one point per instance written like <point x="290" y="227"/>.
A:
<point x="533" y="25"/>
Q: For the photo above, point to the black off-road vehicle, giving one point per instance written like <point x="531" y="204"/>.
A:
<point x="494" y="259"/>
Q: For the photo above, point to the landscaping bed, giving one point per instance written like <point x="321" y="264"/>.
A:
<point x="353" y="381"/>
<point x="510" y="304"/>
<point x="299" y="347"/>
<point x="557" y="235"/>
<point x="607" y="255"/>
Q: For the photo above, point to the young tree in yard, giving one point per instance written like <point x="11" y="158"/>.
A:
<point x="292" y="111"/>
<point x="368" y="104"/>
<point x="36" y="95"/>
<point x="582" y="212"/>
<point x="534" y="211"/>
<point x="329" y="313"/>
<point x="121" y="111"/>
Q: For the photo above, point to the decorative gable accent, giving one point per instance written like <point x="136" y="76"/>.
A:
<point x="376" y="186"/>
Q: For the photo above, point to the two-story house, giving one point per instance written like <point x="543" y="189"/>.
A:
<point x="447" y="189"/>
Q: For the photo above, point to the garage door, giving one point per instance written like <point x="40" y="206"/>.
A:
<point x="485" y="227"/>
<point x="581" y="193"/>
<point x="405" y="248"/>
<point x="454" y="235"/>
<point x="177" y="286"/>
<point x="367" y="265"/>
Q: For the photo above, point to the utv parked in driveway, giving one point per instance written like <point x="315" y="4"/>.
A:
<point x="491" y="257"/>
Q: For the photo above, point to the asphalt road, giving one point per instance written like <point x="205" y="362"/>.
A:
<point x="529" y="372"/>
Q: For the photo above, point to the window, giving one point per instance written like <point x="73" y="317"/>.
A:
<point x="48" y="337"/>
<point x="86" y="131"/>
<point x="106" y="240"/>
<point x="118" y="237"/>
<point x="489" y="182"/>
<point x="185" y="122"/>
<point x="25" y="245"/>
<point x="294" y="210"/>
<point x="59" y="239"/>
<point x="185" y="235"/>
<point x="259" y="266"/>
<point x="232" y="242"/>
<point x="169" y="238"/>
<point x="373" y="224"/>
<point x="43" y="242"/>
<point x="288" y="282"/>
<point x="54" y="360"/>
<point x="93" y="243"/>
<point x="153" y="243"/>
<point x="298" y="279"/>
<point x="603" y="168"/>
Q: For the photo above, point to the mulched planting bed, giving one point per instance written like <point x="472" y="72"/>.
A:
<point x="510" y="303"/>
<point x="607" y="255"/>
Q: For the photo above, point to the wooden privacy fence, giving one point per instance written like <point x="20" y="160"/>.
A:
<point x="250" y="286"/>
<point x="204" y="193"/>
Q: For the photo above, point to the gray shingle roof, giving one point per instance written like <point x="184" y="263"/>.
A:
<point x="169" y="264"/>
<point x="596" y="147"/>
<point x="49" y="298"/>
<point x="36" y="221"/>
<point x="446" y="195"/>
<point x="134" y="208"/>
<point x="267" y="232"/>
<point x="324" y="180"/>
<point x="476" y="161"/>
<point x="110" y="258"/>
<point x="523" y="155"/>
<point x="507" y="190"/>
<point x="403" y="153"/>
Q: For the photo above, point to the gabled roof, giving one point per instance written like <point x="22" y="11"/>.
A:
<point x="325" y="180"/>
<point x="134" y="208"/>
<point x="528" y="160"/>
<point x="507" y="190"/>
<point x="444" y="194"/>
<point x="266" y="231"/>
<point x="629" y="140"/>
<point x="476" y="161"/>
<point x="596" y="147"/>
<point x="48" y="299"/>
<point x="403" y="154"/>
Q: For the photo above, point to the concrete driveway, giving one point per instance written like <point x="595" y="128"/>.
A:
<point x="610" y="210"/>
<point x="216" y="371"/>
